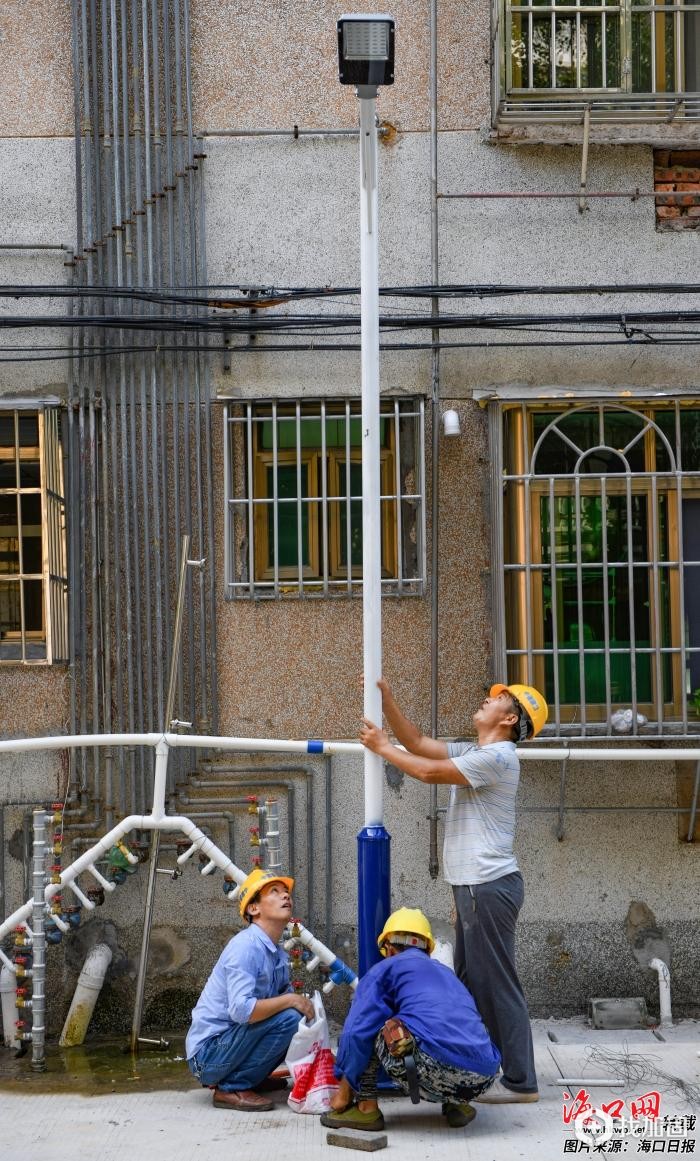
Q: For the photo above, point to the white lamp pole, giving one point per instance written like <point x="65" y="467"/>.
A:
<point x="366" y="60"/>
<point x="371" y="475"/>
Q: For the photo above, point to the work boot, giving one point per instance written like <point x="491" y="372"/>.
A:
<point x="352" y="1118"/>
<point x="458" y="1116"/>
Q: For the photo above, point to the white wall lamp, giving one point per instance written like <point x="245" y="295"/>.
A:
<point x="450" y="423"/>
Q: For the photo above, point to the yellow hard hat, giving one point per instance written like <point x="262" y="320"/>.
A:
<point x="412" y="928"/>
<point x="530" y="702"/>
<point x="253" y="885"/>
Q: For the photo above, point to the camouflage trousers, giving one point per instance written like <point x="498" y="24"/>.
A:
<point x="437" y="1082"/>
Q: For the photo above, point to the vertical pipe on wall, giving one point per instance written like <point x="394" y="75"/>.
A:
<point x="170" y="188"/>
<point x="168" y="559"/>
<point x="192" y="170"/>
<point x="124" y="452"/>
<point x="144" y="541"/>
<point x="77" y="340"/>
<point x="433" y="862"/>
<point x="149" y="118"/>
<point x="194" y="257"/>
<point x="209" y="483"/>
<point x="189" y="679"/>
<point x="128" y="236"/>
<point x="39" y="943"/>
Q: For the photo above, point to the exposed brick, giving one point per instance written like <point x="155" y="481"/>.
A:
<point x="676" y="173"/>
<point x="689" y="185"/>
<point x="682" y="157"/>
<point x="694" y="212"/>
<point x="668" y="212"/>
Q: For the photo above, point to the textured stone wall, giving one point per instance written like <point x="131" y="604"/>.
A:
<point x="36" y="74"/>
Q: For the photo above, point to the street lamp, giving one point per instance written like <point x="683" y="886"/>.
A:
<point x="366" y="60"/>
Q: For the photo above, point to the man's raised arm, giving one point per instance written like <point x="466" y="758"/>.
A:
<point x="404" y="731"/>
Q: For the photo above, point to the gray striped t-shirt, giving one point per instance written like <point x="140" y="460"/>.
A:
<point x="480" y="821"/>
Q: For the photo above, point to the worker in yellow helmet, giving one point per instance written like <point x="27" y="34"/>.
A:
<point x="478" y="858"/>
<point x="412" y="1016"/>
<point x="247" y="1014"/>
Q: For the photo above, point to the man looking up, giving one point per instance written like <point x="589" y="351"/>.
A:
<point x="247" y="1014"/>
<point x="478" y="858"/>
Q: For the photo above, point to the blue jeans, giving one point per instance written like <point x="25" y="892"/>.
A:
<point x="245" y="1054"/>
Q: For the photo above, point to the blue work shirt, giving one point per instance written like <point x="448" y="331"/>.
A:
<point x="250" y="968"/>
<point x="433" y="1004"/>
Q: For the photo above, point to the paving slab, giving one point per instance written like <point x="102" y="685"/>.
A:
<point x="180" y="1124"/>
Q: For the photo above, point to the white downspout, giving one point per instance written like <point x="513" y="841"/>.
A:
<point x="8" y="991"/>
<point x="665" y="1018"/>
<point x="90" y="982"/>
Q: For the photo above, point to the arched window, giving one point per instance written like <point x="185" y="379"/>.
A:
<point x="601" y="552"/>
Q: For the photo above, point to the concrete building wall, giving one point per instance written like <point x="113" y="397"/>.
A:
<point x="284" y="212"/>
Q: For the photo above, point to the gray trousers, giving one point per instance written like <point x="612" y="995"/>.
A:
<point x="485" y="963"/>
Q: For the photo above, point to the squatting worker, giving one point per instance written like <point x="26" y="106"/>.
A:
<point x="412" y="1015"/>
<point x="478" y="858"/>
<point x="247" y="1014"/>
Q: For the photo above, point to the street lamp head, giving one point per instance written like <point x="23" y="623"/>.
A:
<point x="366" y="51"/>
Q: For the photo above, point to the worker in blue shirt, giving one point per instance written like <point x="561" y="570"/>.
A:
<point x="412" y="1016"/>
<point x="247" y="1014"/>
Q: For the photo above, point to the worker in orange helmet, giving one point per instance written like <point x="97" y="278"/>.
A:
<point x="478" y="858"/>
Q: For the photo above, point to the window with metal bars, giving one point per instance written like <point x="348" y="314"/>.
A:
<point x="33" y="567"/>
<point x="600" y="567"/>
<point x="635" y="59"/>
<point x="294" y="498"/>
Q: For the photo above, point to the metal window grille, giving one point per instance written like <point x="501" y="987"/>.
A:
<point x="33" y="566"/>
<point x="626" y="61"/>
<point x="597" y="549"/>
<point x="294" y="498"/>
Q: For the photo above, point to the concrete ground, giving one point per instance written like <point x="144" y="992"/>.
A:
<point x="41" y="1120"/>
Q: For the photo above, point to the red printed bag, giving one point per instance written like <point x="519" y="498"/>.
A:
<point x="310" y="1062"/>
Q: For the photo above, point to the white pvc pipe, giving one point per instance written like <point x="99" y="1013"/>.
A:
<point x="189" y="741"/>
<point x="665" y="1017"/>
<point x="371" y="490"/>
<point x="88" y="988"/>
<point x="628" y="754"/>
<point x="320" y="951"/>
<point x="8" y="992"/>
<point x="317" y="746"/>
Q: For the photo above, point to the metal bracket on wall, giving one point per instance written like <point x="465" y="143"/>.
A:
<point x="561" y="830"/>
<point x="582" y="201"/>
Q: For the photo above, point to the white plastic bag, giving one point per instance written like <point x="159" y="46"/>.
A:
<point x="310" y="1062"/>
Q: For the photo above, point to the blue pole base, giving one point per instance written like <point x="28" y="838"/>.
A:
<point x="373" y="892"/>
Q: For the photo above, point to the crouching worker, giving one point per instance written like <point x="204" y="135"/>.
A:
<point x="412" y="1016"/>
<point x="247" y="1014"/>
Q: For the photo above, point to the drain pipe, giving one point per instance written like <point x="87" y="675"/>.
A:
<point x="665" y="1017"/>
<point x="8" y="987"/>
<point x="89" y="985"/>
